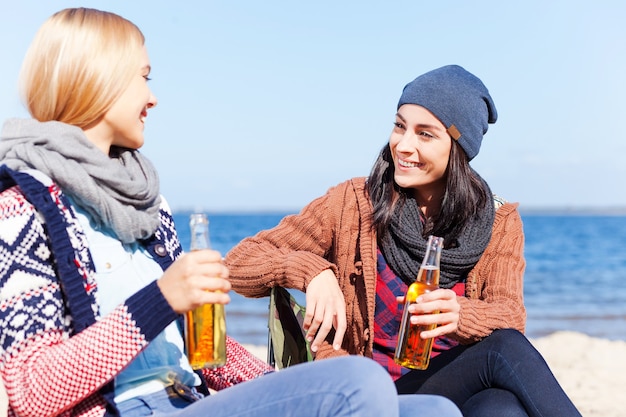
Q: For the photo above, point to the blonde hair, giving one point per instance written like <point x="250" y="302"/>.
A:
<point x="79" y="63"/>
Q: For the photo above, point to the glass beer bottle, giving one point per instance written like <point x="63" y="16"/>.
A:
<point x="205" y="326"/>
<point x="412" y="351"/>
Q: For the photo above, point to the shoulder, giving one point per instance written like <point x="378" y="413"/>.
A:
<point x="355" y="185"/>
<point x="14" y="201"/>
<point x="498" y="201"/>
<point x="347" y="194"/>
<point x="503" y="206"/>
<point x="165" y="215"/>
<point x="166" y="236"/>
<point x="359" y="182"/>
<point x="507" y="216"/>
<point x="164" y="206"/>
<point x="505" y="209"/>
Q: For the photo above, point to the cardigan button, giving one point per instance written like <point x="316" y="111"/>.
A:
<point x="160" y="250"/>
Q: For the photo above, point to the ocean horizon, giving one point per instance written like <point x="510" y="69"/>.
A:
<point x="575" y="275"/>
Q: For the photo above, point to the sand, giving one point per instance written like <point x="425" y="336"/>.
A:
<point x="592" y="371"/>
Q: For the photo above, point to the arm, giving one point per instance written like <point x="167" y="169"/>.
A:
<point x="289" y="255"/>
<point x="46" y="371"/>
<point x="295" y="254"/>
<point x="495" y="298"/>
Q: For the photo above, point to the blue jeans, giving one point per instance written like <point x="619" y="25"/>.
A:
<point x="349" y="386"/>
<point x="503" y="375"/>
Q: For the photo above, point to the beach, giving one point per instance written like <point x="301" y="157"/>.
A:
<point x="592" y="371"/>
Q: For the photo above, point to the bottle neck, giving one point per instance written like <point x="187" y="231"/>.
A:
<point x="432" y="258"/>
<point x="199" y="226"/>
<point x="199" y="240"/>
<point x="429" y="270"/>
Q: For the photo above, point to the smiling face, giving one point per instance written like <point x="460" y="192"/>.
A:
<point x="420" y="148"/>
<point x="123" y="124"/>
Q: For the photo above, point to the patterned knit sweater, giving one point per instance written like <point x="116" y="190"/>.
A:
<point x="335" y="231"/>
<point x="58" y="355"/>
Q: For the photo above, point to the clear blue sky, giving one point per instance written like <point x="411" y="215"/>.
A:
<point x="266" y="104"/>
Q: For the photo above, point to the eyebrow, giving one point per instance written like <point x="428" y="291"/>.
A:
<point x="423" y="125"/>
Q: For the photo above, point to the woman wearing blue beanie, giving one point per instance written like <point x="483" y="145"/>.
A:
<point x="355" y="250"/>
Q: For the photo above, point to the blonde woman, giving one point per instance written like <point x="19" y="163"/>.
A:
<point x="92" y="276"/>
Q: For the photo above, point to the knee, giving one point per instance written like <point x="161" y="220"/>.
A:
<point x="427" y="404"/>
<point x="361" y="369"/>
<point x="510" y="342"/>
<point x="363" y="383"/>
<point x="507" y="335"/>
<point x="506" y="339"/>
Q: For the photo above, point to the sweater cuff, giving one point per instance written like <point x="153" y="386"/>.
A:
<point x="301" y="267"/>
<point x="150" y="310"/>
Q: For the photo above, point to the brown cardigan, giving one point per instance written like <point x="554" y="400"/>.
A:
<point x="335" y="231"/>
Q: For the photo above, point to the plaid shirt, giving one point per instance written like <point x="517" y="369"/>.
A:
<point x="388" y="315"/>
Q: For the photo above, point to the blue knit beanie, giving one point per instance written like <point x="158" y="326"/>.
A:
<point x="458" y="99"/>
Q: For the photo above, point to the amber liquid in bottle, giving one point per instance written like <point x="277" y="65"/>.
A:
<point x="412" y="351"/>
<point x="205" y="326"/>
<point x="205" y="329"/>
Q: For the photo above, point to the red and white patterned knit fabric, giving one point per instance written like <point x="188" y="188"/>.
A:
<point x="241" y="365"/>
<point x="47" y="369"/>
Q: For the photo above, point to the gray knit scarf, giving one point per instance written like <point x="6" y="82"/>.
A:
<point x="120" y="191"/>
<point x="404" y="247"/>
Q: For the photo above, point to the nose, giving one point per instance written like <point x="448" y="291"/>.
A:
<point x="407" y="142"/>
<point x="152" y="101"/>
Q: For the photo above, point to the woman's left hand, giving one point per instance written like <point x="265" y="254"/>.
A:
<point x="441" y="300"/>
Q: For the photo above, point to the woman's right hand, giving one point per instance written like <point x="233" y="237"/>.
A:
<point x="194" y="279"/>
<point x="445" y="303"/>
<point x="325" y="309"/>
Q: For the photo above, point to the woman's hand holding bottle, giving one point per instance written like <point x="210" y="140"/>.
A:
<point x="442" y="301"/>
<point x="196" y="278"/>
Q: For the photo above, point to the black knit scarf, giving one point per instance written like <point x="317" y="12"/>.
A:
<point x="404" y="246"/>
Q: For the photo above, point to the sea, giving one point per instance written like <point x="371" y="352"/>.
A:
<point x="575" y="275"/>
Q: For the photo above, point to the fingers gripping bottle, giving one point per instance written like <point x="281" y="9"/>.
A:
<point x="412" y="351"/>
<point x="205" y="326"/>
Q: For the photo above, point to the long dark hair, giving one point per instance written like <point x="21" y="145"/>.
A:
<point x="464" y="197"/>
